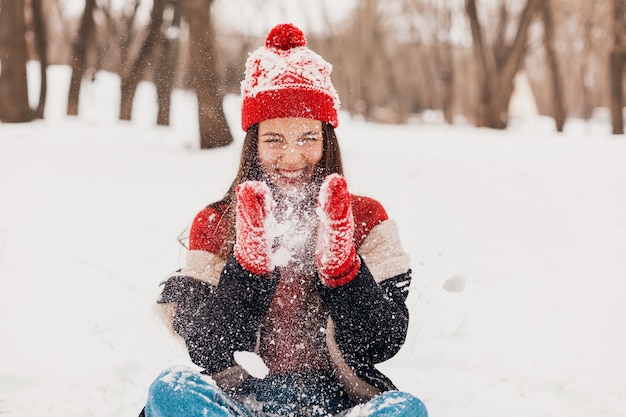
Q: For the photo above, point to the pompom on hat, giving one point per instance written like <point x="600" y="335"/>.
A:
<point x="284" y="78"/>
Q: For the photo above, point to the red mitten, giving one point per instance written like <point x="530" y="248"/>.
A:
<point x="337" y="261"/>
<point x="254" y="204"/>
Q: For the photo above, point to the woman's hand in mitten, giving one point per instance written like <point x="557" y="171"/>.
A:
<point x="336" y="257"/>
<point x="254" y="204"/>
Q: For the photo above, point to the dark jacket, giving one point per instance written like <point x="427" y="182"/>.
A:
<point x="218" y="315"/>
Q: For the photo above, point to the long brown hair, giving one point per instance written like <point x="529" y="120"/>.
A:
<point x="250" y="170"/>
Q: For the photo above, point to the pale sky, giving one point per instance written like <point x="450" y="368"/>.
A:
<point x="256" y="17"/>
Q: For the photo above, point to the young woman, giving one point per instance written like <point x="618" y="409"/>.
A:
<point x="289" y="266"/>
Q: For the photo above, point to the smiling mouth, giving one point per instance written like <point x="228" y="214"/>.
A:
<point x="291" y="176"/>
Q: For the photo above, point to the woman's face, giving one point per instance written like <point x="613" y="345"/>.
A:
<point x="289" y="150"/>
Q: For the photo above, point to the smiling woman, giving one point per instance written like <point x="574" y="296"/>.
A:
<point x="289" y="150"/>
<point x="289" y="265"/>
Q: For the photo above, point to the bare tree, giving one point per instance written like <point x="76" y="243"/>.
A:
<point x="135" y="73"/>
<point x="14" y="106"/>
<point x="128" y="18"/>
<point x="368" y="82"/>
<point x="444" y="61"/>
<point x="587" y="27"/>
<point x="41" y="46"/>
<point x="553" y="64"/>
<point x="120" y="33"/>
<point x="166" y="66"/>
<point x="498" y="65"/>
<point x="81" y="42"/>
<point x="214" y="131"/>
<point x="582" y="39"/>
<point x="366" y="54"/>
<point x="370" y="34"/>
<point x="617" y="67"/>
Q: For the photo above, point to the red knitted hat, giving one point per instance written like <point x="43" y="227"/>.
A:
<point x="284" y="78"/>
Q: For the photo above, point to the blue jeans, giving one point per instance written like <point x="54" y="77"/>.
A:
<point x="183" y="392"/>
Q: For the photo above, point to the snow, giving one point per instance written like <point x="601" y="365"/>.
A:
<point x="252" y="364"/>
<point x="517" y="241"/>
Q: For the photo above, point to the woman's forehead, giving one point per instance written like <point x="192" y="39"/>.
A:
<point x="290" y="125"/>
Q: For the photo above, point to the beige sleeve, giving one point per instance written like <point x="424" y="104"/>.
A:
<point x="203" y="266"/>
<point x="383" y="253"/>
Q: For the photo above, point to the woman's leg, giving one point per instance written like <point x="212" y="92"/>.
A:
<point x="391" y="404"/>
<point x="184" y="392"/>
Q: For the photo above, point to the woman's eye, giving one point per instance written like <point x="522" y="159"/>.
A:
<point x="274" y="142"/>
<point x="281" y="143"/>
<point x="308" y="140"/>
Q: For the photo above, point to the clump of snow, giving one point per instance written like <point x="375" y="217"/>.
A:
<point x="292" y="229"/>
<point x="455" y="283"/>
<point x="252" y="364"/>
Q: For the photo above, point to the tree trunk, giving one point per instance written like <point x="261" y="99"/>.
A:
<point x="131" y="79"/>
<point x="79" y="56"/>
<point x="617" y="95"/>
<point x="587" y="103"/>
<point x="214" y="131"/>
<point x="497" y="81"/>
<point x="617" y="68"/>
<point x="166" y="67"/>
<point x="486" y="67"/>
<point x="14" y="106"/>
<point x="444" y="60"/>
<point x="127" y="29"/>
<point x="369" y="54"/>
<point x="41" y="46"/>
<point x="447" y="77"/>
<point x="558" y="106"/>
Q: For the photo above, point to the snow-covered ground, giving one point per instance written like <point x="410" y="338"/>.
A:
<point x="518" y="241"/>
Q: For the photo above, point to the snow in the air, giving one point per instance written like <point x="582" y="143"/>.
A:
<point x="517" y="240"/>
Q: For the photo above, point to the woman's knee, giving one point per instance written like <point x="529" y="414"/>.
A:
<point x="174" y="381"/>
<point x="180" y="391"/>
<point x="397" y="404"/>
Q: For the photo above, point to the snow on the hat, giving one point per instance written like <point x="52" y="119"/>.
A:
<point x="299" y="67"/>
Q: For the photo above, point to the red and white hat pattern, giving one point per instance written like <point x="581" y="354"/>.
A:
<point x="286" y="79"/>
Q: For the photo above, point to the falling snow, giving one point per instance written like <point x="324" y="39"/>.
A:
<point x="517" y="240"/>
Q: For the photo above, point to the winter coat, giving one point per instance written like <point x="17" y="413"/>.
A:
<point x="218" y="307"/>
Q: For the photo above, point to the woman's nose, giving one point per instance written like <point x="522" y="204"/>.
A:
<point x="292" y="152"/>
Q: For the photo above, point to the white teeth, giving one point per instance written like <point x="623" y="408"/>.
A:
<point x="291" y="174"/>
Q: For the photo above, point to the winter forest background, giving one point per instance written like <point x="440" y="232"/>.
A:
<point x="394" y="61"/>
<point x="496" y="141"/>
